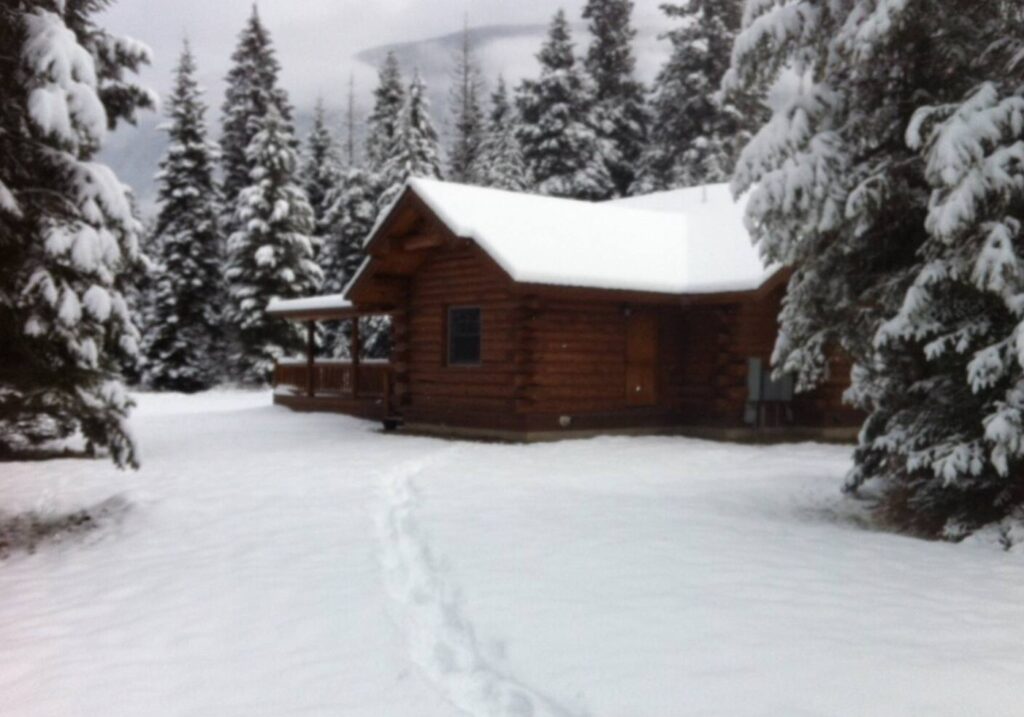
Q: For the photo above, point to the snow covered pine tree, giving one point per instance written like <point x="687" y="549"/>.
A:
<point x="415" y="150"/>
<point x="352" y="209"/>
<point x="67" y="231"/>
<point x="384" y="121"/>
<point x="271" y="254"/>
<point x="467" y="115"/>
<point x="620" y="114"/>
<point x="321" y="173"/>
<point x="501" y="162"/>
<point x="350" y="124"/>
<point x="696" y="135"/>
<point x="414" y="153"/>
<point x="963" y="438"/>
<point x="561" y="150"/>
<point x="182" y="340"/>
<point x="898" y="203"/>
<point x="251" y="91"/>
<point x="349" y="220"/>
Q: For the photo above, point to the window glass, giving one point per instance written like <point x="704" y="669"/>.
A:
<point x="464" y="335"/>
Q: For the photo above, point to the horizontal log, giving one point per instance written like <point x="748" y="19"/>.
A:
<point x="460" y="376"/>
<point x="581" y="358"/>
<point x="432" y="275"/>
<point x="454" y="285"/>
<point x="444" y="398"/>
<point x="434" y="327"/>
<point x="562" y="371"/>
<point x="574" y="408"/>
<point x="569" y="394"/>
<point x="580" y="324"/>
<point x="576" y="346"/>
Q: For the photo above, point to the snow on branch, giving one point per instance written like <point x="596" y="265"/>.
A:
<point x="64" y="102"/>
<point x="771" y="25"/>
<point x="8" y="203"/>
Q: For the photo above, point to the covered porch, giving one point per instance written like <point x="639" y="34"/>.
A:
<point x="356" y="386"/>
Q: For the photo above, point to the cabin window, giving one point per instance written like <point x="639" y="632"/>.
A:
<point x="463" y="336"/>
<point x="769" y="400"/>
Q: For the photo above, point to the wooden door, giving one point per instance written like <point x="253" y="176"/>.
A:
<point x="641" y="359"/>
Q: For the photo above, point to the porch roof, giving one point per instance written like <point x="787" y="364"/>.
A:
<point x="319" y="308"/>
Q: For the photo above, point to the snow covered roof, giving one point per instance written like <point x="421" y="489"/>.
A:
<point x="327" y="302"/>
<point x="682" y="241"/>
<point x="566" y="242"/>
<point x="679" y="242"/>
<point x="719" y="252"/>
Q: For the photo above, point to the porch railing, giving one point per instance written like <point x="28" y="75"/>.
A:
<point x="370" y="379"/>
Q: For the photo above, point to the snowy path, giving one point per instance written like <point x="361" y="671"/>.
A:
<point x="442" y="640"/>
<point x="279" y="564"/>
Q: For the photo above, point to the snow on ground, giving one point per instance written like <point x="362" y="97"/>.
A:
<point x="288" y="564"/>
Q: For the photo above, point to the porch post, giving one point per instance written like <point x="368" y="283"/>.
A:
<point x="355" y="348"/>
<point x="310" y="356"/>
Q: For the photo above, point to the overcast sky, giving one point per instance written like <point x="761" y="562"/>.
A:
<point x="316" y="40"/>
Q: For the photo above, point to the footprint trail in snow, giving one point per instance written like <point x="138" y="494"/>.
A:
<point x="442" y="641"/>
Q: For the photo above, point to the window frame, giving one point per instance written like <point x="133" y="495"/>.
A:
<point x="449" y="335"/>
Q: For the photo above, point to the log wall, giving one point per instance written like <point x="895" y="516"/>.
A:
<point x="708" y="371"/>
<point x="575" y="354"/>
<point x="555" y="354"/>
<point x="431" y="391"/>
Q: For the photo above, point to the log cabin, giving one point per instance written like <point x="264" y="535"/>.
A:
<point x="523" y="317"/>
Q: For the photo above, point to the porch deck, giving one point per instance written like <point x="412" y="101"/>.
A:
<point x="362" y="390"/>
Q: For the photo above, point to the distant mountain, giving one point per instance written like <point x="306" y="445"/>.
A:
<point x="506" y="49"/>
<point x="433" y="56"/>
<point x="134" y="153"/>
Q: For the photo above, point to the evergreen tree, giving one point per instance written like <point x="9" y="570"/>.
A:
<point x="321" y="173"/>
<point x="905" y="254"/>
<point x="620" y="112"/>
<point x="183" y="332"/>
<point x="501" y="162"/>
<point x="68" y="235"/>
<point x="385" y="119"/>
<point x="415" y="151"/>
<point x="252" y="91"/>
<point x="467" y="114"/>
<point x="561" y="150"/>
<point x="696" y="134"/>
<point x="271" y="254"/>
<point x="351" y="217"/>
<point x="139" y="280"/>
<point x="350" y="125"/>
<point x="352" y="210"/>
<point x="951" y="450"/>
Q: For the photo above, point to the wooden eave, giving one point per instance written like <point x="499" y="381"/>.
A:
<point x="335" y="314"/>
<point x="586" y="293"/>
<point x="627" y="296"/>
